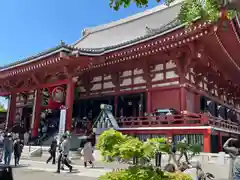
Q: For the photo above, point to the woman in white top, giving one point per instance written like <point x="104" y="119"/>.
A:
<point x="87" y="153"/>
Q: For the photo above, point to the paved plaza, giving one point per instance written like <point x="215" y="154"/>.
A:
<point x="40" y="167"/>
<point x="37" y="169"/>
<point x="26" y="174"/>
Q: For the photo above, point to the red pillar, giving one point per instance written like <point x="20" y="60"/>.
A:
<point x="69" y="104"/>
<point x="183" y="99"/>
<point x="207" y="141"/>
<point x="197" y="103"/>
<point x="11" y="111"/>
<point x="149" y="106"/>
<point x="36" y="112"/>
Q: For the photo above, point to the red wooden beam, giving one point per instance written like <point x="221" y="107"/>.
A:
<point x="36" y="79"/>
<point x="40" y="86"/>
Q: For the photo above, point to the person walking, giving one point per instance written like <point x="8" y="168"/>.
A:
<point x="232" y="147"/>
<point x="26" y="138"/>
<point x="87" y="153"/>
<point x="17" y="149"/>
<point x="64" y="151"/>
<point x="52" y="152"/>
<point x="172" y="153"/>
<point x="183" y="151"/>
<point x="8" y="149"/>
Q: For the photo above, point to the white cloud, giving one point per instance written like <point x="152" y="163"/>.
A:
<point x="4" y="101"/>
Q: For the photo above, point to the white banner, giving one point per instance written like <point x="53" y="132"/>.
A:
<point x="62" y="123"/>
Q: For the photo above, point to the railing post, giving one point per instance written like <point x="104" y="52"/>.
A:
<point x="135" y="160"/>
<point x="204" y="120"/>
<point x="158" y="158"/>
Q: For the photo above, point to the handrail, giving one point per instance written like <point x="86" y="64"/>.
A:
<point x="177" y="120"/>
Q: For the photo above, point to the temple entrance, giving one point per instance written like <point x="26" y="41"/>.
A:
<point x="90" y="108"/>
<point x="131" y="105"/>
<point x="26" y="117"/>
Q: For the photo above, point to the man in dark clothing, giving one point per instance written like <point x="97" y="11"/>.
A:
<point x="64" y="151"/>
<point x="18" y="146"/>
<point x="52" y="152"/>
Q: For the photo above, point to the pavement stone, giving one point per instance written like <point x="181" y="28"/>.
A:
<point x="26" y="174"/>
<point x="78" y="170"/>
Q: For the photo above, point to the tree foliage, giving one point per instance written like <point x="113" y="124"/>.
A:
<point x="2" y="108"/>
<point x="114" y="144"/>
<point x="189" y="12"/>
<point x="143" y="173"/>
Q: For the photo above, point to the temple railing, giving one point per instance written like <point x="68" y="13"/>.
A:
<point x="223" y="124"/>
<point x="177" y="121"/>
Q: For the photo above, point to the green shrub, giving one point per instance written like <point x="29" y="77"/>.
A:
<point x="179" y="176"/>
<point x="143" y="173"/>
<point x="114" y="144"/>
<point x="109" y="143"/>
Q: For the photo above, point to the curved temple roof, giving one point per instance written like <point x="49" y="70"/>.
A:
<point x="128" y="29"/>
<point x="96" y="41"/>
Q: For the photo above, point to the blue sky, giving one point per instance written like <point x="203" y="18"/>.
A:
<point x="31" y="26"/>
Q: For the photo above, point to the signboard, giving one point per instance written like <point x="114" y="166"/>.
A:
<point x="53" y="97"/>
<point x="58" y="94"/>
<point x="62" y="123"/>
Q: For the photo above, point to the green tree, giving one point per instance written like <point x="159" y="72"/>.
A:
<point x="2" y="108"/>
<point x="191" y="10"/>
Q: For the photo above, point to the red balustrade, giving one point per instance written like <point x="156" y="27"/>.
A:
<point x="177" y="120"/>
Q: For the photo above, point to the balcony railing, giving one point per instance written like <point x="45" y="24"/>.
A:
<point x="177" y="121"/>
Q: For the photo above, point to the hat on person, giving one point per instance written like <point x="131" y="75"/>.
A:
<point x="9" y="134"/>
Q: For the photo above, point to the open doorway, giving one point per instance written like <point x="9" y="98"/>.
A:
<point x="90" y="108"/>
<point x="131" y="105"/>
<point x="27" y="117"/>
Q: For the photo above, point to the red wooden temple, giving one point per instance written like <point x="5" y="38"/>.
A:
<point x="138" y="64"/>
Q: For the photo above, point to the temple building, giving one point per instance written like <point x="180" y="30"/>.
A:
<point x="143" y="65"/>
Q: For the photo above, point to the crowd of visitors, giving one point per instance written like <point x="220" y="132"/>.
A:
<point x="64" y="148"/>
